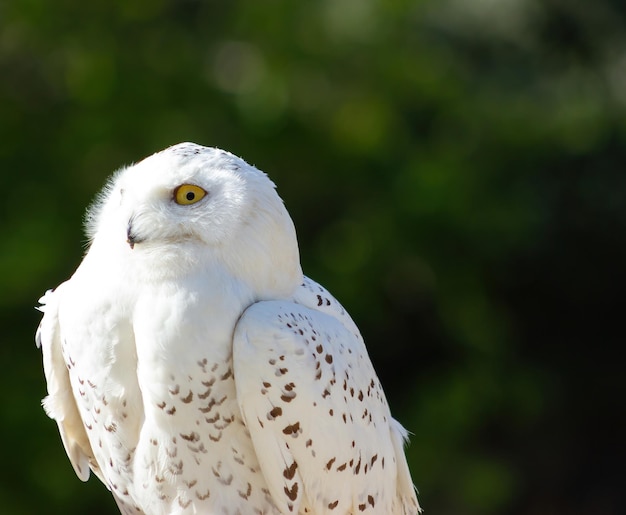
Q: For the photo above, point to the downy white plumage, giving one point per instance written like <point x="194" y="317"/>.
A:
<point x="194" y="369"/>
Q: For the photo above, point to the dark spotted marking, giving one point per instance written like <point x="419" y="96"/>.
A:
<point x="292" y="429"/>
<point x="183" y="504"/>
<point x="292" y="492"/>
<point x="226" y="422"/>
<point x="277" y="411"/>
<point x="191" y="437"/>
<point x="333" y="505"/>
<point x="328" y="358"/>
<point x="290" y="471"/>
<point x="330" y="463"/>
<point x="205" y="394"/>
<point x="202" y="497"/>
<point x="221" y="401"/>
<point x="246" y="494"/>
<point x="208" y="407"/>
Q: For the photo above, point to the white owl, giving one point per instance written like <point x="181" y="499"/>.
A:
<point x="194" y="369"/>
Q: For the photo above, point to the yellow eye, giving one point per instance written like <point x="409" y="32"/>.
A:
<point x="187" y="194"/>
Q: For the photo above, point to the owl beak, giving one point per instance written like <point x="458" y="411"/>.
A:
<point x="131" y="238"/>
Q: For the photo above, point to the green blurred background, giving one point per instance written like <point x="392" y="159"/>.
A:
<point x="455" y="172"/>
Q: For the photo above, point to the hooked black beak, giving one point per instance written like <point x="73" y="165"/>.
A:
<point x="131" y="238"/>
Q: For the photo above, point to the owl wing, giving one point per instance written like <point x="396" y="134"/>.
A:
<point x="59" y="403"/>
<point x="316" y="412"/>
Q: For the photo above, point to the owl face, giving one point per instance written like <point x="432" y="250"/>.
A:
<point x="197" y="204"/>
<point x="174" y="197"/>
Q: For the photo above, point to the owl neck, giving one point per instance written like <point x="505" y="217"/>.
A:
<point x="265" y="256"/>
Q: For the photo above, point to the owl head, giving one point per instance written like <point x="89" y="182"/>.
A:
<point x="190" y="207"/>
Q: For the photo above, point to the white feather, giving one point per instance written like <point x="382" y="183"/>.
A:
<point x="157" y="350"/>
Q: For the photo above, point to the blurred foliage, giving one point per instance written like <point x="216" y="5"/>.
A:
<point x="455" y="172"/>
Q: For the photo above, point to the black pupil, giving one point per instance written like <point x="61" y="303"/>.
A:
<point x="190" y="195"/>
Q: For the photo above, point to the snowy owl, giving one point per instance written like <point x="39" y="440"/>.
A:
<point x="194" y="369"/>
